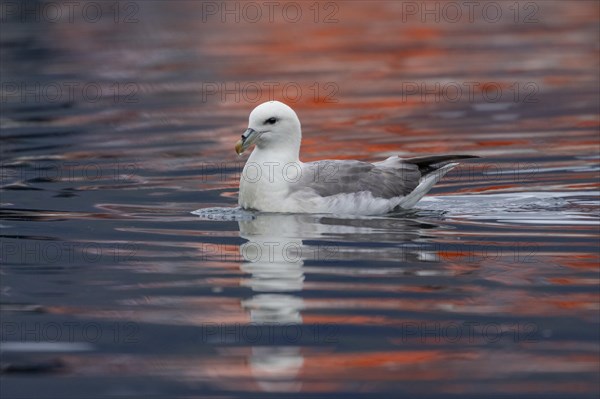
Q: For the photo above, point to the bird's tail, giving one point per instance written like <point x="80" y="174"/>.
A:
<point x="432" y="169"/>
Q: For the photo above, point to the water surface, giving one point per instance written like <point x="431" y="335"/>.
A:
<point x="111" y="286"/>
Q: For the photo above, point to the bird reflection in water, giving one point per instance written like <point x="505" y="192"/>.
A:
<point x="273" y="257"/>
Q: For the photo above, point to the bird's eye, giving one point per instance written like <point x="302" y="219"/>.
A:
<point x="271" y="121"/>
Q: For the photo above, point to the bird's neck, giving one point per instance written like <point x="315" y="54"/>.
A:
<point x="285" y="153"/>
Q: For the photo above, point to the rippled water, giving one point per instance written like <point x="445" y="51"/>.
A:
<point x="128" y="270"/>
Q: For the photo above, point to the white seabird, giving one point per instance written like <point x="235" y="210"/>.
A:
<point x="275" y="180"/>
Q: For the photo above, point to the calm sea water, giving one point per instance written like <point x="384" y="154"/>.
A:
<point x="119" y="120"/>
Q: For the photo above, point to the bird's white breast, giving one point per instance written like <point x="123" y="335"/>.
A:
<point x="264" y="184"/>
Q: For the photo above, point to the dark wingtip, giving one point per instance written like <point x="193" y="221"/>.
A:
<point x="431" y="163"/>
<point x="433" y="159"/>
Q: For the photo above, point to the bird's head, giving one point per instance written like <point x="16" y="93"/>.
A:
<point x="272" y="125"/>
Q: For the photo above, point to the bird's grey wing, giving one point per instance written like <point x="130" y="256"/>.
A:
<point x="333" y="177"/>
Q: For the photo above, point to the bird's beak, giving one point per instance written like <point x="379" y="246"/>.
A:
<point x="248" y="138"/>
